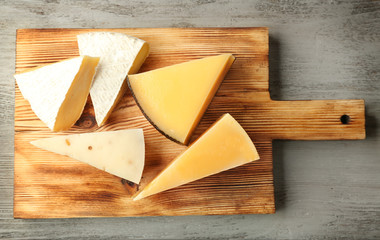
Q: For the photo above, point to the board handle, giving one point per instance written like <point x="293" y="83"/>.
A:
<point x="318" y="120"/>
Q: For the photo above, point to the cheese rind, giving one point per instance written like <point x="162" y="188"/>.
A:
<point x="58" y="92"/>
<point x="120" y="55"/>
<point x="223" y="146"/>
<point x="121" y="153"/>
<point x="174" y="98"/>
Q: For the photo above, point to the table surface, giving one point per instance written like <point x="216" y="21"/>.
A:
<point x="318" y="50"/>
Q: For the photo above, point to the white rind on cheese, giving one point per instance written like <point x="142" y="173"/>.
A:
<point x="47" y="87"/>
<point x="121" y="153"/>
<point x="117" y="54"/>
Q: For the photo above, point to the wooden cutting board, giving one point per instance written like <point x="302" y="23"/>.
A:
<point x="47" y="185"/>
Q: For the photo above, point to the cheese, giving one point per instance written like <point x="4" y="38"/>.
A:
<point x="121" y="153"/>
<point x="58" y="92"/>
<point x="120" y="55"/>
<point x="223" y="146"/>
<point x="174" y="98"/>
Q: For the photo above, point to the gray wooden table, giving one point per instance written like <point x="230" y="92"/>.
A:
<point x="329" y="50"/>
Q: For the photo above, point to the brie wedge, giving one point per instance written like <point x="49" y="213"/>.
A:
<point x="120" y="55"/>
<point x="121" y="153"/>
<point x="58" y="92"/>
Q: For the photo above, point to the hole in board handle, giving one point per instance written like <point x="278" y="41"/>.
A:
<point x="345" y="119"/>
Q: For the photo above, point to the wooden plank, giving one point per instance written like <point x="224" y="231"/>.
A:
<point x="50" y="185"/>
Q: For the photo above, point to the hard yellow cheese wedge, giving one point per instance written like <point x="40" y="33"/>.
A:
<point x="223" y="146"/>
<point x="120" y="55"/>
<point x="174" y="98"/>
<point x="121" y="153"/>
<point x="58" y="92"/>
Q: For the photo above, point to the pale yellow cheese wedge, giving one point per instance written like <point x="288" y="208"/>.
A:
<point x="121" y="153"/>
<point x="58" y="92"/>
<point x="174" y="98"/>
<point x="223" y="146"/>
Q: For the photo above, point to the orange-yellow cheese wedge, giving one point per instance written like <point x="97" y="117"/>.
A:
<point x="223" y="146"/>
<point x="174" y="98"/>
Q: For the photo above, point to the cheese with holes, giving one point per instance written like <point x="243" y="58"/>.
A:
<point x="223" y="146"/>
<point x="174" y="98"/>
<point x="58" y="92"/>
<point x="120" y="55"/>
<point x="121" y="153"/>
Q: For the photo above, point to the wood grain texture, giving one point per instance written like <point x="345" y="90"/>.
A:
<point x="318" y="50"/>
<point x="50" y="185"/>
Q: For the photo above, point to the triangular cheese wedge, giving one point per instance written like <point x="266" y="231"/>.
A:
<point x="58" y="92"/>
<point x="120" y="55"/>
<point x="174" y="98"/>
<point x="121" y="153"/>
<point x="223" y="146"/>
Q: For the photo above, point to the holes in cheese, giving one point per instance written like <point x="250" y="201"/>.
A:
<point x="120" y="55"/>
<point x="223" y="146"/>
<point x="174" y="98"/>
<point x="121" y="153"/>
<point x="58" y="92"/>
